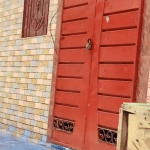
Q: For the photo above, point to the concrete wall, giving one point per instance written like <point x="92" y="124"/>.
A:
<point x="25" y="74"/>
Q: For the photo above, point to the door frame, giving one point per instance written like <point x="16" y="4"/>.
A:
<point x="54" y="72"/>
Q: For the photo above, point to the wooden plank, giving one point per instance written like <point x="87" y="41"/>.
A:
<point x="69" y="3"/>
<point x="112" y="6"/>
<point x="122" y="130"/>
<point x="72" y="55"/>
<point x="130" y="19"/>
<point x="67" y="98"/>
<point x="111" y="104"/>
<point x="112" y="87"/>
<point x="63" y="137"/>
<point x="128" y="36"/>
<point x="108" y="120"/>
<point x="69" y="84"/>
<point x="69" y="139"/>
<point x="75" y="13"/>
<point x="70" y="70"/>
<point x="79" y="26"/>
<point x="106" y="146"/>
<point x="116" y="71"/>
<point x="65" y="112"/>
<point x="74" y="41"/>
<point x="117" y="54"/>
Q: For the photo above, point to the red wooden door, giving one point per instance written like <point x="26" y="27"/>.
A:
<point x="114" y="69"/>
<point x="72" y="83"/>
<point x="92" y="84"/>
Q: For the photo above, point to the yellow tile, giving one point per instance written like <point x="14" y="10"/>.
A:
<point x="42" y="87"/>
<point x="30" y="128"/>
<point x="22" y="120"/>
<point x="46" y="51"/>
<point x="40" y="124"/>
<point x="32" y="104"/>
<point x="42" y="100"/>
<point x="34" y="81"/>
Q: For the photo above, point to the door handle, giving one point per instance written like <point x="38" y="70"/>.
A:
<point x="89" y="44"/>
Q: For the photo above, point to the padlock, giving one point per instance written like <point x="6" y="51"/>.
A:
<point x="89" y="44"/>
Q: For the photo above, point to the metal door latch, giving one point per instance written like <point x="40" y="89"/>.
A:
<point x="89" y="44"/>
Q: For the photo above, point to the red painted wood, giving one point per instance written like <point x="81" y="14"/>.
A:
<point x="67" y="98"/>
<point x="69" y="84"/>
<point x="75" y="13"/>
<point x="91" y="134"/>
<point x="92" y="84"/>
<point x="75" y="27"/>
<point x="106" y="103"/>
<point x="108" y="120"/>
<point x="117" y="54"/>
<point x="70" y="70"/>
<point x="116" y="71"/>
<point x="119" y="88"/>
<point x="35" y="18"/>
<point x="115" y="21"/>
<point x="69" y="3"/>
<point x="112" y="6"/>
<point x="65" y="112"/>
<point x="128" y="36"/>
<point x="74" y="41"/>
<point x="72" y="56"/>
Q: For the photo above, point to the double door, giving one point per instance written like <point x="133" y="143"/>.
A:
<point x="93" y="82"/>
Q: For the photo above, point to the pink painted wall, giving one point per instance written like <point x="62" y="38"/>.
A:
<point x="143" y="89"/>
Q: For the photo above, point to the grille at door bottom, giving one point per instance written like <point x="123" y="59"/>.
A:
<point x="63" y="125"/>
<point x="108" y="136"/>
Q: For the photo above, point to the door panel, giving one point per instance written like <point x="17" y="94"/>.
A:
<point x="70" y="70"/>
<point x="113" y="70"/>
<point x="69" y="84"/>
<point x="116" y="71"/>
<point x="67" y="98"/>
<point x="68" y="3"/>
<point x="124" y="54"/>
<point x="113" y="6"/>
<point x="74" y="41"/>
<point x="72" y="56"/>
<point x="113" y="87"/>
<point x="75" y="27"/>
<point x="62" y="111"/>
<point x="108" y="120"/>
<point x="75" y="13"/>
<point x="115" y="21"/>
<point x="119" y="37"/>
<point x="73" y="72"/>
<point x="106" y="103"/>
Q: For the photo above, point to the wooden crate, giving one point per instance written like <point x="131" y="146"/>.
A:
<point x="134" y="127"/>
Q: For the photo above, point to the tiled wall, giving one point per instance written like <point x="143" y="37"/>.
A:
<point x="25" y="74"/>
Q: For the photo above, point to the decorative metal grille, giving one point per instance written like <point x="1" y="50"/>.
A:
<point x="63" y="125"/>
<point x="107" y="135"/>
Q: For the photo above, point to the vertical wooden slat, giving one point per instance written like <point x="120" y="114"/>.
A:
<point x="41" y="18"/>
